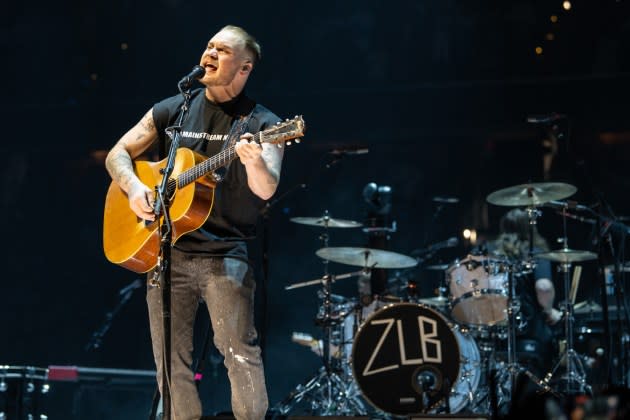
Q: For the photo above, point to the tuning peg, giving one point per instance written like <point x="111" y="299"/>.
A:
<point x="288" y="143"/>
<point x="298" y="140"/>
<point x="279" y="145"/>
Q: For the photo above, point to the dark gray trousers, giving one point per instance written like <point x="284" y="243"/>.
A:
<point x="227" y="287"/>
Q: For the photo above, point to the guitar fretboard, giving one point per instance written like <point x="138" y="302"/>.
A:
<point x="211" y="164"/>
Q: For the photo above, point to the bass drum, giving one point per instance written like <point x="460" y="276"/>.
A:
<point x="408" y="359"/>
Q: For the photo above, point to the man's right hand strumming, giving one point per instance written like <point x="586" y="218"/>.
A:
<point x="141" y="199"/>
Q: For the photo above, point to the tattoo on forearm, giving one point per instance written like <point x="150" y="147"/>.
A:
<point x="120" y="166"/>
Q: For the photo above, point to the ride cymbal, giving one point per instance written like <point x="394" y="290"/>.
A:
<point x="366" y="257"/>
<point x="566" y="255"/>
<point x="531" y="194"/>
<point x="326" y="222"/>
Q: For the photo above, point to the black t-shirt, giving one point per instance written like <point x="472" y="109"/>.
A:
<point x="236" y="208"/>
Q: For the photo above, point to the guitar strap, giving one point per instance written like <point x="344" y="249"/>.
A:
<point x="238" y="129"/>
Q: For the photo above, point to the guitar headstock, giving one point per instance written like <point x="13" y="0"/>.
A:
<point x="284" y="131"/>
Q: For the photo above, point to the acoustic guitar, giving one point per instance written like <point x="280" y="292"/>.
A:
<point x="134" y="243"/>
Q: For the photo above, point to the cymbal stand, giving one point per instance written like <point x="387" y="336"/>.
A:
<point x="574" y="379"/>
<point x="329" y="391"/>
<point x="513" y="307"/>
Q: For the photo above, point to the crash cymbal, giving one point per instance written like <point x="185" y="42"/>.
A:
<point x="366" y="257"/>
<point x="531" y="194"/>
<point x="566" y="255"/>
<point x="325" y="222"/>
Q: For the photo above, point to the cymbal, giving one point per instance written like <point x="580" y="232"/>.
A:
<point x="366" y="257"/>
<point x="531" y="194"/>
<point x="325" y="222"/>
<point x="566" y="255"/>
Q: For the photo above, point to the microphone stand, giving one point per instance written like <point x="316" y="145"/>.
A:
<point x="124" y="295"/>
<point x="163" y="270"/>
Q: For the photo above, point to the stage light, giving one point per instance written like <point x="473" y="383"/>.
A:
<point x="539" y="50"/>
<point x="94" y="76"/>
<point x="550" y="37"/>
<point x="566" y="5"/>
<point x="124" y="46"/>
<point x="470" y="235"/>
<point x="553" y="18"/>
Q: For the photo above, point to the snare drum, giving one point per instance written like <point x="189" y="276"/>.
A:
<point x="478" y="288"/>
<point x="408" y="359"/>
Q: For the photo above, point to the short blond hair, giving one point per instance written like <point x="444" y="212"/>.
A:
<point x="251" y="44"/>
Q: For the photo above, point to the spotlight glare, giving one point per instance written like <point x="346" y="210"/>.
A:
<point x="539" y="50"/>
<point x="553" y="18"/>
<point x="466" y="233"/>
<point x="550" y="37"/>
<point x="124" y="46"/>
<point x="566" y="5"/>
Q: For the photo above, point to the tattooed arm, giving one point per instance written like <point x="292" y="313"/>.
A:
<point x="120" y="167"/>
<point x="262" y="165"/>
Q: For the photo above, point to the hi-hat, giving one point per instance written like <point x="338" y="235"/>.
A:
<point x="325" y="221"/>
<point x="566" y="255"/>
<point x="366" y="257"/>
<point x="531" y="194"/>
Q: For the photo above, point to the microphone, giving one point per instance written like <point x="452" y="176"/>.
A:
<point x="197" y="72"/>
<point x="565" y="205"/>
<point x="349" y="151"/>
<point x="545" y="119"/>
<point x="449" y="243"/>
<point x="445" y="199"/>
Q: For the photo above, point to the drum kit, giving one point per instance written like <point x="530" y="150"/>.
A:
<point x="392" y="356"/>
<point x="22" y="392"/>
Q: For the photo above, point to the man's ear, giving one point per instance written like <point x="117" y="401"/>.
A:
<point x="247" y="67"/>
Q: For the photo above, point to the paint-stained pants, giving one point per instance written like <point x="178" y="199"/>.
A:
<point x="227" y="287"/>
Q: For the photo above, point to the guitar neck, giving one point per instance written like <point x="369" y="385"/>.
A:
<point x="211" y="164"/>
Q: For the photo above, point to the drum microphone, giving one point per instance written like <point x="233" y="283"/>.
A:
<point x="196" y="73"/>
<point x="565" y="205"/>
<point x="545" y="119"/>
<point x="429" y="382"/>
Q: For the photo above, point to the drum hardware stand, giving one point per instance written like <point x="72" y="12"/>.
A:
<point x="574" y="370"/>
<point x="575" y="373"/>
<point x="328" y="391"/>
<point x="513" y="306"/>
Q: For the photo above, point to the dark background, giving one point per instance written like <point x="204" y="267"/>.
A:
<point x="438" y="90"/>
